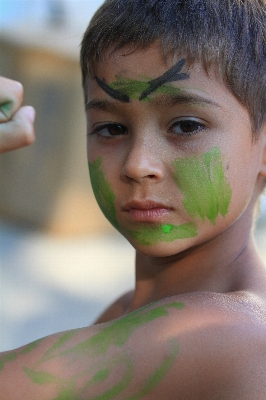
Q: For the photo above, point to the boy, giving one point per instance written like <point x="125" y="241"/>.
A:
<point x="175" y="95"/>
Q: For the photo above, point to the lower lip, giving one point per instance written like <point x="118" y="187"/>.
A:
<point x="150" y="215"/>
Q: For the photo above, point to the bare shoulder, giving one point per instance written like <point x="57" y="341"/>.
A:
<point x="197" y="346"/>
<point x="222" y="338"/>
<point x="117" y="309"/>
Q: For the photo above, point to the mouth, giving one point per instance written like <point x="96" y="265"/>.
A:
<point x="146" y="211"/>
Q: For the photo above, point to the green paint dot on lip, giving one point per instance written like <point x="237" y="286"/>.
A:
<point x="167" y="228"/>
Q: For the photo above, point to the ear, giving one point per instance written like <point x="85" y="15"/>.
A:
<point x="262" y="138"/>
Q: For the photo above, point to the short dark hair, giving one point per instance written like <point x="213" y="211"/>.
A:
<point x="227" y="34"/>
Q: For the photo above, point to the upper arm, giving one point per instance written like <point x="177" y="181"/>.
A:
<point x="160" y="349"/>
<point x="130" y="357"/>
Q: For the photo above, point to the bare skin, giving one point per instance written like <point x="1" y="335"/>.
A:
<point x="202" y="331"/>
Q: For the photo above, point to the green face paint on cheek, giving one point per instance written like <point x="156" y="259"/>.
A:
<point x="145" y="236"/>
<point x="103" y="191"/>
<point x="202" y="181"/>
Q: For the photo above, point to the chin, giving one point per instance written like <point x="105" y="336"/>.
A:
<point x="164" y="249"/>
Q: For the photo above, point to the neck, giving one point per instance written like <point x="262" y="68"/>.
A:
<point x="227" y="263"/>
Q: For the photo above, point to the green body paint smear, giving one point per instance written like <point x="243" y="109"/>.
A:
<point x="68" y="392"/>
<point x="7" y="358"/>
<point x="134" y="88"/>
<point x="156" y="377"/>
<point x="120" y="386"/>
<point x="119" y="332"/>
<point x="202" y="181"/>
<point x="100" y="376"/>
<point x="163" y="233"/>
<point x="31" y="346"/>
<point x="40" y="377"/>
<point x="103" y="191"/>
<point x="60" y="342"/>
<point x="145" y="235"/>
<point x="116" y="334"/>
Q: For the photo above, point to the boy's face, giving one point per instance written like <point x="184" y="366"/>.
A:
<point x="170" y="151"/>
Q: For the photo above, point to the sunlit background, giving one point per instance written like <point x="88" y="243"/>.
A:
<point x="61" y="263"/>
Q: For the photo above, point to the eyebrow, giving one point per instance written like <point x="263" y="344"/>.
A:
<point x="183" y="98"/>
<point x="160" y="100"/>
<point x="104" y="105"/>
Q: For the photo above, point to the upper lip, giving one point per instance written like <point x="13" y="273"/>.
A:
<point x="144" y="205"/>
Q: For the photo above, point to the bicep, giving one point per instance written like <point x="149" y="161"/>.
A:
<point x="146" y="354"/>
<point x="127" y="358"/>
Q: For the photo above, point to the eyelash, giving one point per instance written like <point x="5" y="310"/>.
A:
<point x="189" y="121"/>
<point x="97" y="131"/>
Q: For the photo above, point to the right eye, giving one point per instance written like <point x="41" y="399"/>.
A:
<point x="109" y="130"/>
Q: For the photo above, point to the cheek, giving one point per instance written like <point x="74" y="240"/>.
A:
<point x="244" y="175"/>
<point x="103" y="191"/>
<point x="202" y="181"/>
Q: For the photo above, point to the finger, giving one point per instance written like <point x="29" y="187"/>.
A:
<point x="19" y="131"/>
<point x="11" y="96"/>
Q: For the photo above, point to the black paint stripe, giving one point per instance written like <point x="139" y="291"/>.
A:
<point x="115" y="94"/>
<point x="173" y="74"/>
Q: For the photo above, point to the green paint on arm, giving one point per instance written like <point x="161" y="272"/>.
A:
<point x="59" y="343"/>
<point x="100" y="376"/>
<point x="68" y="392"/>
<point x="120" y="386"/>
<point x="202" y="181"/>
<point x="148" y="236"/>
<point x="157" y="376"/>
<point x="7" y="358"/>
<point x="31" y="346"/>
<point x="103" y="191"/>
<point x="117" y="333"/>
<point x="40" y="377"/>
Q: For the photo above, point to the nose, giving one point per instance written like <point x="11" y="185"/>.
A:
<point x="143" y="161"/>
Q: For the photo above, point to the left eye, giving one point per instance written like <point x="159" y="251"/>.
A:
<point x="186" y="127"/>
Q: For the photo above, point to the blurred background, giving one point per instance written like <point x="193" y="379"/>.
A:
<point x="61" y="262"/>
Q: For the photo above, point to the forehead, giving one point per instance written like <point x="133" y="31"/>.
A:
<point x="146" y="65"/>
<point x="147" y="62"/>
